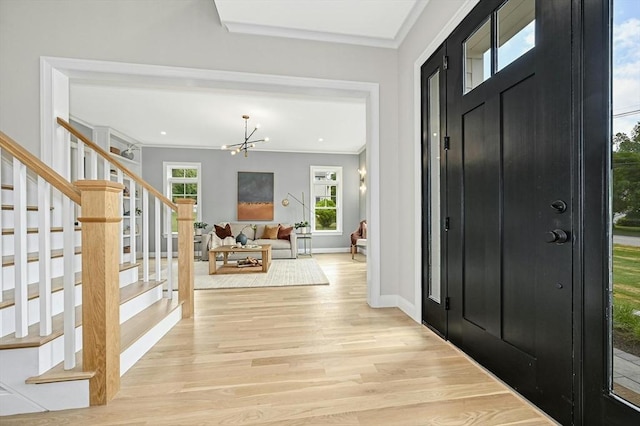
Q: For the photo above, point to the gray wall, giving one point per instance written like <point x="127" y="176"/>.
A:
<point x="362" y="164"/>
<point x="188" y="33"/>
<point x="291" y="174"/>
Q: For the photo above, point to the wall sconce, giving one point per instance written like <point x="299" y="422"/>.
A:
<point x="363" y="173"/>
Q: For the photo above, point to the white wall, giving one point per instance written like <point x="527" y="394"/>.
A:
<point x="187" y="33"/>
<point x="436" y="22"/>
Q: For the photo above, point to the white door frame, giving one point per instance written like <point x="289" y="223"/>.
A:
<point x="55" y="74"/>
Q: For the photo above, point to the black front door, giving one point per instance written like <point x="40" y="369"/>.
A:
<point x="509" y="193"/>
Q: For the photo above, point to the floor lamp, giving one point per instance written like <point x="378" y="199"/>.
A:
<point x="285" y="203"/>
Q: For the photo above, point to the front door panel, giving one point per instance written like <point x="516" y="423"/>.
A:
<point x="510" y="161"/>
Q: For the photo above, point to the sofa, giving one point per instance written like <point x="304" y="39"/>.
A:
<point x="281" y="248"/>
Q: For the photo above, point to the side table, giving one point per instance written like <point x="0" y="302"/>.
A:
<point x="306" y="237"/>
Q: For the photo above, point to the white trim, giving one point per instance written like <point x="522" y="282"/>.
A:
<point x="170" y="165"/>
<point x="329" y="37"/>
<point x="339" y="207"/>
<point x="462" y="12"/>
<point x="266" y="30"/>
<point x="280" y="151"/>
<point x="410" y="21"/>
<point x="97" y="70"/>
<point x="326" y="250"/>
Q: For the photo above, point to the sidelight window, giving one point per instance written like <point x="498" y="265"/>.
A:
<point x="624" y="255"/>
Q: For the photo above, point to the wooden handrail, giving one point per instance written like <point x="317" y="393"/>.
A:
<point x="104" y="154"/>
<point x="40" y="168"/>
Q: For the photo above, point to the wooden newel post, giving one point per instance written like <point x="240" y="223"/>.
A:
<point x="185" y="255"/>
<point x="101" y="217"/>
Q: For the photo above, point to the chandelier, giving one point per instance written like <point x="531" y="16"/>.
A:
<point x="244" y="146"/>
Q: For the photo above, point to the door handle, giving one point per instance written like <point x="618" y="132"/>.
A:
<point x="557" y="236"/>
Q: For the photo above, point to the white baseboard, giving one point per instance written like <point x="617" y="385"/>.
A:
<point x="131" y="355"/>
<point x="409" y="308"/>
<point x="327" y="250"/>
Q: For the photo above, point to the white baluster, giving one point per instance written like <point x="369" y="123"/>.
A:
<point x="145" y="235"/>
<point x="133" y="225"/>
<point x="80" y="172"/>
<point x="158" y="224"/>
<point x="106" y="169"/>
<point x="44" y="256"/>
<point x="93" y="165"/>
<point x="1" y="240"/>
<point x="120" y="180"/>
<point x="69" y="284"/>
<point x="167" y="222"/>
<point x="20" y="247"/>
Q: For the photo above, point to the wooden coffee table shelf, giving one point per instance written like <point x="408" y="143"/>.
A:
<point x="232" y="268"/>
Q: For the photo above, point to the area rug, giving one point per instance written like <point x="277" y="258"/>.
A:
<point x="283" y="272"/>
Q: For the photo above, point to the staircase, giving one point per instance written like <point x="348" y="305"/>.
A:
<point x="67" y="277"/>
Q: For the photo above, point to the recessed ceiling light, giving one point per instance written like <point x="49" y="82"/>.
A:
<point x="320" y="140"/>
<point x="163" y="133"/>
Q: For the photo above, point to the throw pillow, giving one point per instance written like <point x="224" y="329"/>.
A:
<point x="270" y="232"/>
<point x="284" y="233"/>
<point x="223" y="233"/>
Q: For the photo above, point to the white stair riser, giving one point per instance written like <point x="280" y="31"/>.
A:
<point x="57" y="270"/>
<point x="8" y="216"/>
<point x="133" y="353"/>
<point x="128" y="276"/>
<point x="57" y="306"/>
<point x="57" y="303"/>
<point x="24" y="363"/>
<point x="33" y="241"/>
<point x="140" y="303"/>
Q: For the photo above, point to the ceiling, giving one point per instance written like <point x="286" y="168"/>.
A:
<point x="212" y="117"/>
<point x="209" y="117"/>
<point x="380" y="23"/>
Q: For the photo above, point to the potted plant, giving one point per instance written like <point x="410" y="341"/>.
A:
<point x="302" y="227"/>
<point x="199" y="226"/>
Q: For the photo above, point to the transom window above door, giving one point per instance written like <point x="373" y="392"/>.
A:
<point x="500" y="40"/>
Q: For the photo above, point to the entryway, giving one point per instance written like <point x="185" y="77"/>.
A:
<point x="503" y="195"/>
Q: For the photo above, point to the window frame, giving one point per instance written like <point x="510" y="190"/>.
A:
<point x="168" y="180"/>
<point x="339" y="200"/>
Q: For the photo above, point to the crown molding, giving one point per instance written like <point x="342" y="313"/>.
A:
<point x="266" y="30"/>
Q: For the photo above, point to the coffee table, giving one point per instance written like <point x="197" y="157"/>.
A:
<point x="228" y="268"/>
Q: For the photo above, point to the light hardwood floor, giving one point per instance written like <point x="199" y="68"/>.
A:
<point x="302" y="355"/>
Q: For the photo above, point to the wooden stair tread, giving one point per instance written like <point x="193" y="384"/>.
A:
<point x="130" y="331"/>
<point x="33" y="290"/>
<point x="33" y="257"/>
<point x="133" y="290"/>
<point x="10" y="207"/>
<point x="10" y="231"/>
<point x="34" y="339"/>
<point x="128" y="265"/>
<point x="58" y="374"/>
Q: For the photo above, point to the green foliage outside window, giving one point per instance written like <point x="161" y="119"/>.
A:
<point x="626" y="177"/>
<point x="326" y="215"/>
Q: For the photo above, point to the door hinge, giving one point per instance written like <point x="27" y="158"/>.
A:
<point x="446" y="224"/>
<point x="447" y="303"/>
<point x="447" y="143"/>
<point x="445" y="62"/>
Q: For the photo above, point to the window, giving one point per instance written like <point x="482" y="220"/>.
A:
<point x="513" y="36"/>
<point x="182" y="180"/>
<point x="326" y="199"/>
